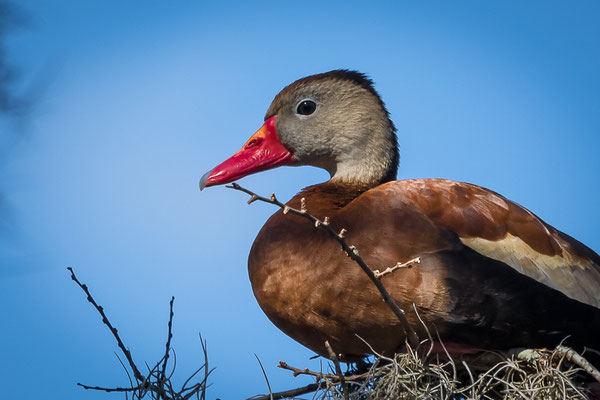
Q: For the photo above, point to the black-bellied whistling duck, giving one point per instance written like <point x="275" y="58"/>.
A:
<point x="492" y="275"/>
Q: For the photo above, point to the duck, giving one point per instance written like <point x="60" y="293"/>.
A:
<point x="491" y="274"/>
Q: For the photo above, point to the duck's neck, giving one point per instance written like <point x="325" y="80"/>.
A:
<point x="366" y="168"/>
<point x="361" y="174"/>
<point x="369" y="161"/>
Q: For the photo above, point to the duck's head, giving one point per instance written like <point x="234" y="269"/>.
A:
<point x="335" y="121"/>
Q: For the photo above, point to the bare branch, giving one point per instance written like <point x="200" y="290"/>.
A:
<point x="156" y="382"/>
<point x="389" y="270"/>
<point x="136" y="372"/>
<point x="265" y="375"/>
<point x="288" y="394"/>
<point x="118" y="389"/>
<point x="351" y="251"/>
<point x="578" y="360"/>
<point x="125" y="369"/>
<point x="168" y="344"/>
<point x="206" y="370"/>
<point x="318" y="375"/>
<point x="338" y="370"/>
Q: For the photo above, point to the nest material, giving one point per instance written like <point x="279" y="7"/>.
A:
<point x="532" y="374"/>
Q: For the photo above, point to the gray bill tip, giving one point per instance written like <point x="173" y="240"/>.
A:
<point x="203" y="179"/>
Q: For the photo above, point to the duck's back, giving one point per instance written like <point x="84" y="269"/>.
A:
<point x="505" y="231"/>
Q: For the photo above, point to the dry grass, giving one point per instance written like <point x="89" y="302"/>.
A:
<point x="540" y="374"/>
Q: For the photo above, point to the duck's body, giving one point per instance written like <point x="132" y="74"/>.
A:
<point x="313" y="293"/>
<point x="491" y="275"/>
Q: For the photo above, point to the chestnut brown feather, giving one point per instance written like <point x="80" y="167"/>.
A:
<point x="313" y="293"/>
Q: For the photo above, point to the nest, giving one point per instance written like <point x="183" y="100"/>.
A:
<point x="544" y="376"/>
<point x="529" y="374"/>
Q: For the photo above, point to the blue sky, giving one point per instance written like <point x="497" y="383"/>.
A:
<point x="141" y="98"/>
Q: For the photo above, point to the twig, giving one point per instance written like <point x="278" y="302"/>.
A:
<point x="426" y="329"/>
<point x="168" y="344"/>
<point x="470" y="377"/>
<point x="578" y="360"/>
<point x="351" y="251"/>
<point x="117" y="389"/>
<point x="338" y="370"/>
<point x="206" y="370"/>
<point x="125" y="369"/>
<point x="265" y="375"/>
<point x="389" y="270"/>
<point x="318" y="375"/>
<point x="156" y="383"/>
<point x="136" y="372"/>
<point x="306" y="371"/>
<point x="287" y="394"/>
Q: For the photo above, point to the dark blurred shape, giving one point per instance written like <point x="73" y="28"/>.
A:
<point x="18" y="97"/>
<point x="12" y="106"/>
<point x="10" y="18"/>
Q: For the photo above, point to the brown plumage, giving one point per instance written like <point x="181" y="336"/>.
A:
<point x="492" y="274"/>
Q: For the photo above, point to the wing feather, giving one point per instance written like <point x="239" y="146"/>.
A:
<point x="505" y="231"/>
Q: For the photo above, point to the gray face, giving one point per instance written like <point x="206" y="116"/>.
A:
<point x="348" y="134"/>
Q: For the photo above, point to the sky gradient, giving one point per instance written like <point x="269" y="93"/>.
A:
<point x="139" y="99"/>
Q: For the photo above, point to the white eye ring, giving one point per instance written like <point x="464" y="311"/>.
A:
<point x="305" y="107"/>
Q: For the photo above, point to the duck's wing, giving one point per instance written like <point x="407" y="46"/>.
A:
<point x="503" y="230"/>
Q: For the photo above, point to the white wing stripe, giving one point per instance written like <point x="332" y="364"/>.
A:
<point x="577" y="278"/>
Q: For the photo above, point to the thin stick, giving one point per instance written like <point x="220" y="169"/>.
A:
<point x="338" y="370"/>
<point x="265" y="375"/>
<point x="287" y="394"/>
<point x="206" y="370"/>
<point x="578" y="359"/>
<point x="125" y="368"/>
<point x="138" y="375"/>
<point x="168" y="344"/>
<point x="117" y="389"/>
<point x="389" y="270"/>
<point x="351" y="251"/>
<point x="319" y="375"/>
<point x="157" y="383"/>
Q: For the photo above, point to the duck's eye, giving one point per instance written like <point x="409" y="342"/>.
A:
<point x="306" y="107"/>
